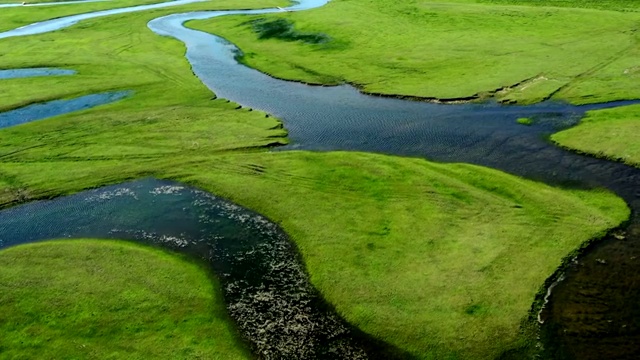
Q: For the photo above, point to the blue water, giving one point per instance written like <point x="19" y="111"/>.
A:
<point x="57" y="107"/>
<point x="33" y="72"/>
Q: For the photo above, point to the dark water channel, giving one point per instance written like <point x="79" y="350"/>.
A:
<point x="592" y="314"/>
<point x="264" y="283"/>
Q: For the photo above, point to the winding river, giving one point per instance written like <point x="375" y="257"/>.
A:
<point x="595" y="301"/>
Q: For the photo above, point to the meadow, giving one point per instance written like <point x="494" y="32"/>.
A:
<point x="72" y="298"/>
<point x="441" y="260"/>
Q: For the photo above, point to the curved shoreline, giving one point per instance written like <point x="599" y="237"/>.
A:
<point x="265" y="285"/>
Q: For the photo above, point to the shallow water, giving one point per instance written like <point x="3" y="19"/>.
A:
<point x="341" y="118"/>
<point x="33" y="72"/>
<point x="57" y="107"/>
<point x="264" y="284"/>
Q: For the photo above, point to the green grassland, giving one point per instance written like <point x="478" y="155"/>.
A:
<point x="15" y="17"/>
<point x="613" y="134"/>
<point x="448" y="50"/>
<point x="617" y="5"/>
<point x="89" y="299"/>
<point x="442" y="260"/>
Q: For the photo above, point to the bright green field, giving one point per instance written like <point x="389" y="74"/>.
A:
<point x="454" y="49"/>
<point x="90" y="299"/>
<point x="442" y="260"/>
<point x="613" y="134"/>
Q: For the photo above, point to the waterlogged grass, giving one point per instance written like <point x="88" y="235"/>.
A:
<point x="453" y="49"/>
<point x="104" y="299"/>
<point x="612" y="133"/>
<point x="440" y="260"/>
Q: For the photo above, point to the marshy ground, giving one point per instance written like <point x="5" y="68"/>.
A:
<point x="439" y="260"/>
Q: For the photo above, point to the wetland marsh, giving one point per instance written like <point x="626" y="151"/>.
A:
<point x="363" y="223"/>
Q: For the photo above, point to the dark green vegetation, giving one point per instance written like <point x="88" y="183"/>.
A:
<point x="441" y="260"/>
<point x="109" y="300"/>
<point x="282" y="29"/>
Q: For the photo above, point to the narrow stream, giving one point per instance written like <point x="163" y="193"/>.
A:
<point x="591" y="314"/>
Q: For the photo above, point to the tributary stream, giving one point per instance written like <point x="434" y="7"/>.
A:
<point x="591" y="314"/>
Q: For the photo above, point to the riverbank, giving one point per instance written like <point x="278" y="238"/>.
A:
<point x="364" y="223"/>
<point x="87" y="298"/>
<point x="446" y="50"/>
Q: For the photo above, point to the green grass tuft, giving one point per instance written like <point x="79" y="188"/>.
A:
<point x="525" y="121"/>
